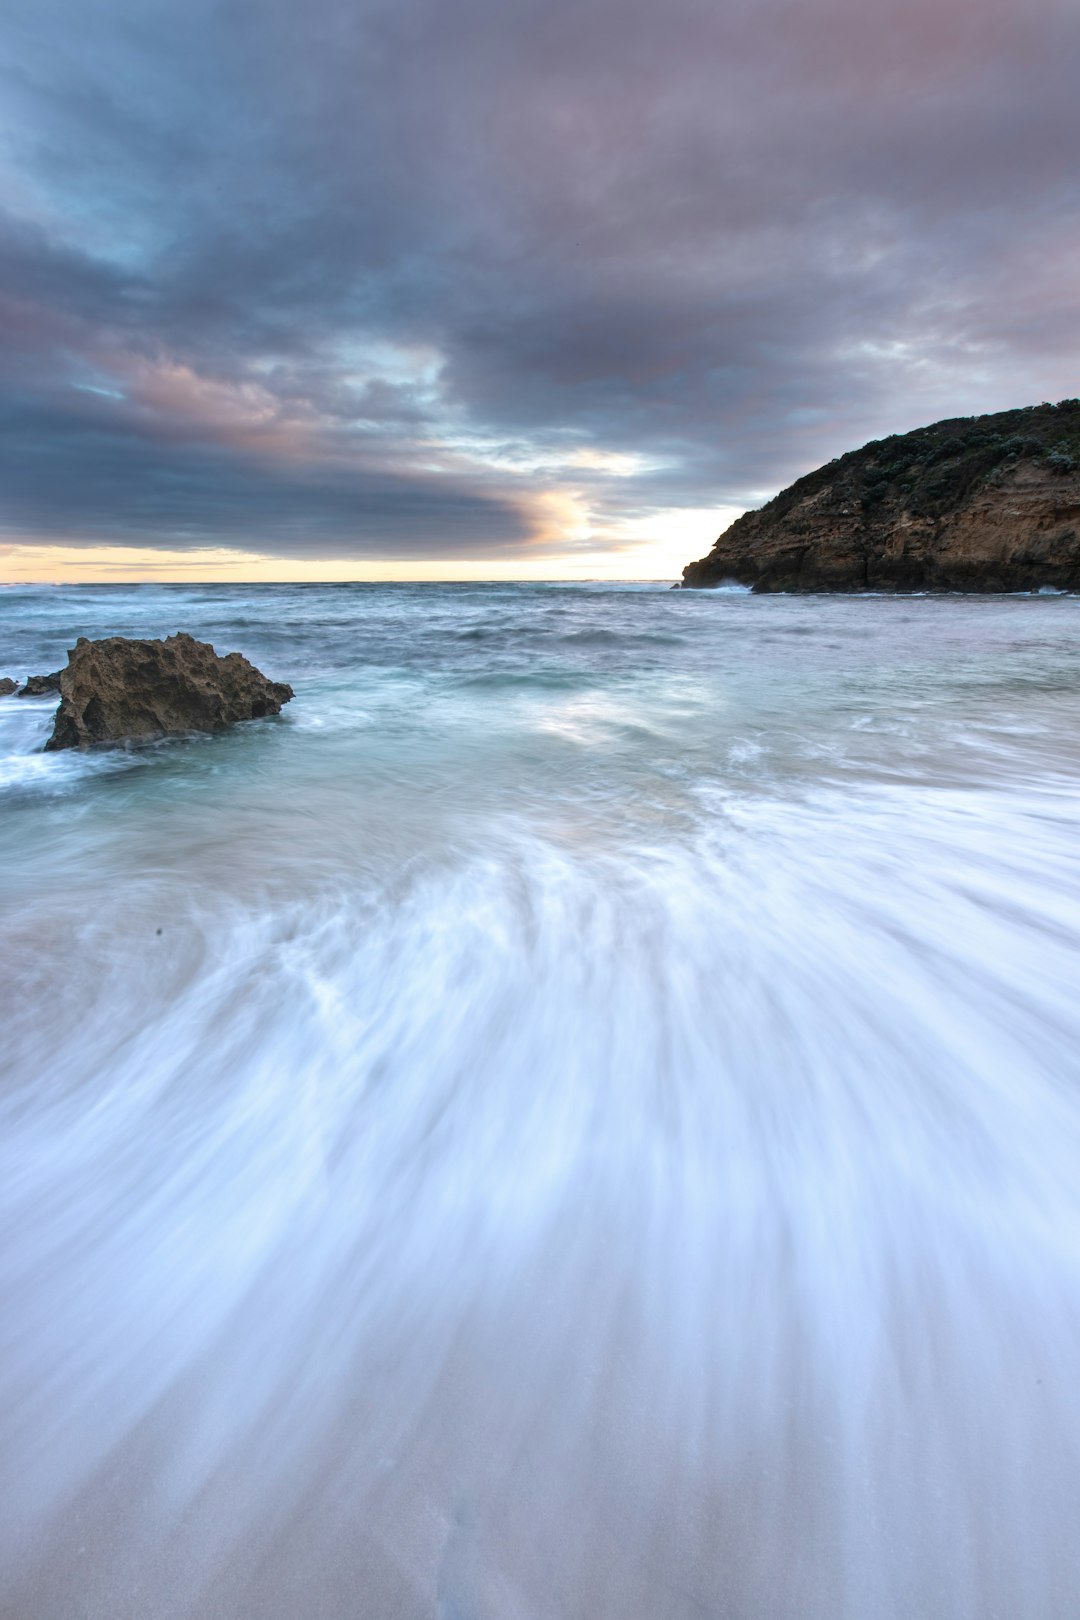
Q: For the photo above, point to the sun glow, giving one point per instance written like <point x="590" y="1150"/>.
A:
<point x="568" y="548"/>
<point x="657" y="547"/>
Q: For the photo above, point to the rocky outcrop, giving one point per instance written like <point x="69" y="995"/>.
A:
<point x="7" y="686"/>
<point x="41" y="685"/>
<point x="118" y="690"/>
<point x="977" y="503"/>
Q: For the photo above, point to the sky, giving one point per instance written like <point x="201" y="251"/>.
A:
<point x="506" y="288"/>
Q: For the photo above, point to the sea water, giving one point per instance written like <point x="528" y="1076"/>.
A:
<point x="578" y="1117"/>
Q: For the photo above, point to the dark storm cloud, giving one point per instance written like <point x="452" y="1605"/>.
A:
<point x="352" y="279"/>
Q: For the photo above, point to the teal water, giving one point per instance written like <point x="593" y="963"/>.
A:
<point x="579" y="1116"/>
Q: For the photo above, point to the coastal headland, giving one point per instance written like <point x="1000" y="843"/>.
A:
<point x="975" y="503"/>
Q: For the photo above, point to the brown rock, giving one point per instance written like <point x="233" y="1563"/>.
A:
<point x="118" y="690"/>
<point x="41" y="685"/>
<point x="7" y="686"/>
<point x="980" y="503"/>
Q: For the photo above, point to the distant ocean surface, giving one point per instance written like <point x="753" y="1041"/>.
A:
<point x="579" y="1117"/>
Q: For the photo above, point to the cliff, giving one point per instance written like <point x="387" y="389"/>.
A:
<point x="976" y="503"/>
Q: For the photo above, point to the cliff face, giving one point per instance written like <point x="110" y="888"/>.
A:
<point x="978" y="503"/>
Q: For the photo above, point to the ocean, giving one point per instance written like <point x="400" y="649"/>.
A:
<point x="577" y="1117"/>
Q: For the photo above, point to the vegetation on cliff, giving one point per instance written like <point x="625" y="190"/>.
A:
<point x="971" y="503"/>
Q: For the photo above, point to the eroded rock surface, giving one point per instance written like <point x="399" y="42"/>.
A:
<point x="118" y="690"/>
<point x="41" y="685"/>
<point x="977" y="503"/>
<point x="7" y="686"/>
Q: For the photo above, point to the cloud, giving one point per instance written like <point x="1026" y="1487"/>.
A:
<point x="396" y="278"/>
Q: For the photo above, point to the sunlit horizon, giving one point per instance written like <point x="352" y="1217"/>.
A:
<point x="645" y="550"/>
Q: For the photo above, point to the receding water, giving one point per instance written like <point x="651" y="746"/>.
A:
<point x="580" y="1117"/>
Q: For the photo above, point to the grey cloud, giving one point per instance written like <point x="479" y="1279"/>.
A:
<point x="732" y="236"/>
<point x="106" y="481"/>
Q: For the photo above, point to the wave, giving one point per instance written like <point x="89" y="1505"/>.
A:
<point x="578" y="1140"/>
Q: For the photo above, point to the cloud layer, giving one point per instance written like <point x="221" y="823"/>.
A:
<point x="397" y="278"/>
